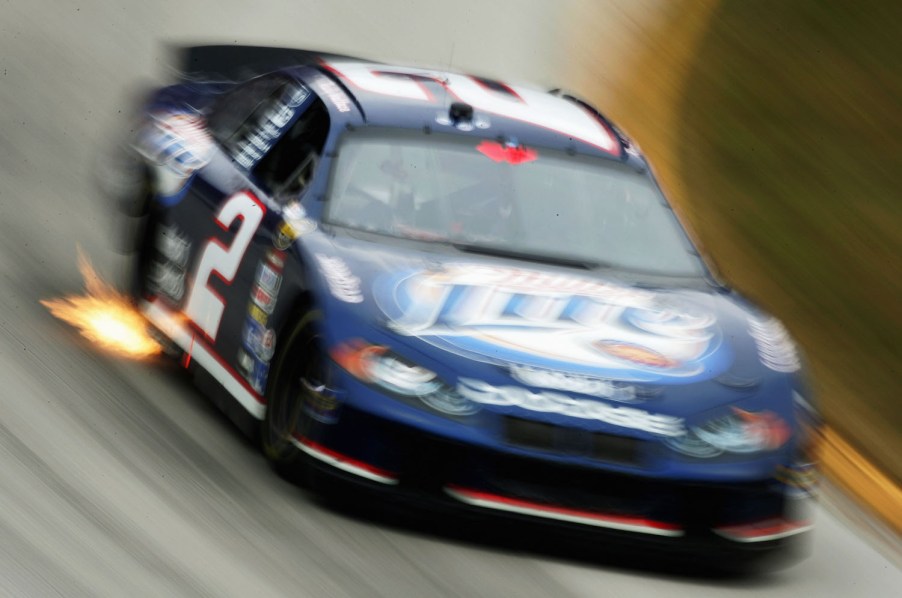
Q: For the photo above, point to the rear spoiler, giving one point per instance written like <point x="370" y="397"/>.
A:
<point x="237" y="62"/>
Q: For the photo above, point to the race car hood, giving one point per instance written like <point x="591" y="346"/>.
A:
<point x="485" y="322"/>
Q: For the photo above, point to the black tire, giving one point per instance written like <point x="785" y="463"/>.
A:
<point x="299" y="364"/>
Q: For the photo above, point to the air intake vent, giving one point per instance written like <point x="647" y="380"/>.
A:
<point x="542" y="436"/>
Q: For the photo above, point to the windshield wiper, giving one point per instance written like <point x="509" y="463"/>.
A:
<point x="530" y="257"/>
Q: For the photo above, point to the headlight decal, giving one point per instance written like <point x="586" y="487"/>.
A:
<point x="379" y="366"/>
<point x="739" y="432"/>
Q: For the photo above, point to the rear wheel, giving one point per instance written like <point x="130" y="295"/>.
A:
<point x="299" y="370"/>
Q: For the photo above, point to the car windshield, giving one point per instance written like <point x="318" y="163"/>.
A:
<point x="487" y="196"/>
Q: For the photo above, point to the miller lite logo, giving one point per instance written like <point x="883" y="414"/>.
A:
<point x="557" y="321"/>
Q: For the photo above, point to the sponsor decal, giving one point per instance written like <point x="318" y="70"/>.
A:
<point x="257" y="314"/>
<point x="342" y="283"/>
<point x="167" y="272"/>
<point x="484" y="393"/>
<point x="776" y="350"/>
<point x="254" y="145"/>
<point x="284" y="236"/>
<point x="321" y="404"/>
<point x="253" y="370"/>
<point x="295" y="95"/>
<point x="635" y="354"/>
<point x="258" y="339"/>
<point x="573" y="324"/>
<point x="268" y="278"/>
<point x="258" y="375"/>
<point x="248" y="154"/>
<point x="173" y="245"/>
<point x="288" y="231"/>
<point x="265" y="301"/>
<point x="176" y="140"/>
<point x="245" y="363"/>
<point x="334" y="94"/>
<point x="294" y="224"/>
<point x="166" y="279"/>
<point x="587" y="385"/>
<point x="276" y="258"/>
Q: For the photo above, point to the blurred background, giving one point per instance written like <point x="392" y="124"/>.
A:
<point x="774" y="126"/>
<point x="777" y="128"/>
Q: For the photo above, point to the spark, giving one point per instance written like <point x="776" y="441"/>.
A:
<point x="104" y="316"/>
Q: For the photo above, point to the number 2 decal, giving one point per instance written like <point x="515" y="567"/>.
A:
<point x="204" y="305"/>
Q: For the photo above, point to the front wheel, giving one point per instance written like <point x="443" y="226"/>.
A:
<point x="299" y="370"/>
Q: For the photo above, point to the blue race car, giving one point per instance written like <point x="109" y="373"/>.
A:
<point x="461" y="290"/>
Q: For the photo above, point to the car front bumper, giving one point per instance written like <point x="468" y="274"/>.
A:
<point x="425" y="470"/>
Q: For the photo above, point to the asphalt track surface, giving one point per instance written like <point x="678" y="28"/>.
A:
<point x="118" y="479"/>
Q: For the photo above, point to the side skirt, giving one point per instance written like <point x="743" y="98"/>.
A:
<point x="213" y="376"/>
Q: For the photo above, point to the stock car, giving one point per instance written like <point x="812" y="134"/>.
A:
<point x="453" y="288"/>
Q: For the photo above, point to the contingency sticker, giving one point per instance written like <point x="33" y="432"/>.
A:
<point x="258" y="339"/>
<point x="294" y="224"/>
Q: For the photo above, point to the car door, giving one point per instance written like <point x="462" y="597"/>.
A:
<point x="225" y="224"/>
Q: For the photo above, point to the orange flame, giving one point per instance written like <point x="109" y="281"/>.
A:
<point x="104" y="316"/>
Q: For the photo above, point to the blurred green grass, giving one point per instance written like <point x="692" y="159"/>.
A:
<point x="790" y="158"/>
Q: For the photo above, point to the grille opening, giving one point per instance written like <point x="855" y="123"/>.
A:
<point x="543" y="436"/>
<point x="616" y="449"/>
<point x="530" y="434"/>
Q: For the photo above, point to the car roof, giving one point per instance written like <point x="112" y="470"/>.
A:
<point x="420" y="98"/>
<point x="416" y="98"/>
